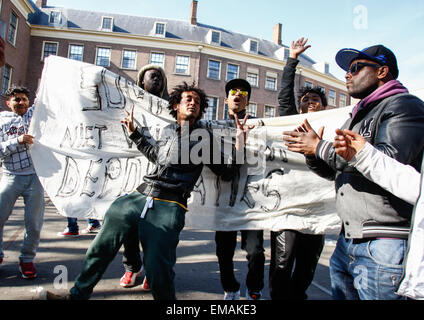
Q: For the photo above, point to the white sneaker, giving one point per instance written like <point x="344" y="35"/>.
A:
<point x="229" y="295"/>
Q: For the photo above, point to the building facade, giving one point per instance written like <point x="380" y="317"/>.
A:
<point x="17" y="34"/>
<point x="187" y="50"/>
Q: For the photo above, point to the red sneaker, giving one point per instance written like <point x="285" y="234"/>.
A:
<point x="27" y="270"/>
<point x="91" y="229"/>
<point x="128" y="279"/>
<point x="145" y="285"/>
<point x="67" y="233"/>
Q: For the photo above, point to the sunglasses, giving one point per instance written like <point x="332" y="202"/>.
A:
<point x="242" y="92"/>
<point x="359" y="65"/>
<point x="17" y="100"/>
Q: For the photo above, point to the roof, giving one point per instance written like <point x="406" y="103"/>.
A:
<point x="175" y="29"/>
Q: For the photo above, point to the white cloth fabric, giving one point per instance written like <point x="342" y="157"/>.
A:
<point x="406" y="183"/>
<point x="85" y="160"/>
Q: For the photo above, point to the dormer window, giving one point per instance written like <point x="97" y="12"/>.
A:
<point x="160" y="29"/>
<point x="216" y="37"/>
<point x="55" y="17"/>
<point x="107" y="23"/>
<point x="213" y="37"/>
<point x="253" y="46"/>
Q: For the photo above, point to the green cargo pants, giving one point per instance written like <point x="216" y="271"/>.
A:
<point x="158" y="232"/>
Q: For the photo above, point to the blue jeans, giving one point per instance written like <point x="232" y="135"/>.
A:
<point x="367" y="269"/>
<point x="73" y="224"/>
<point x="30" y="188"/>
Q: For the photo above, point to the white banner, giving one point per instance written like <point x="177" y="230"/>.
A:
<point x="85" y="160"/>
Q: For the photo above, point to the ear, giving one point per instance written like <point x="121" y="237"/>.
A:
<point x="382" y="73"/>
<point x="176" y="106"/>
<point x="226" y="100"/>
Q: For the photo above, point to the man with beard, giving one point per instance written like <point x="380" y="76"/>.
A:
<point x="368" y="260"/>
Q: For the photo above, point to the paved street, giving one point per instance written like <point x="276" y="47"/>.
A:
<point x="58" y="258"/>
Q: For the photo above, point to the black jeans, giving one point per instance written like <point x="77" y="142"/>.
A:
<point x="131" y="256"/>
<point x="252" y="242"/>
<point x="288" y="246"/>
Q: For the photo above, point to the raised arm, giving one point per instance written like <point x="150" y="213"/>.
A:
<point x="286" y="97"/>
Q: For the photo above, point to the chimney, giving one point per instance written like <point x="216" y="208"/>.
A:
<point x="193" y="13"/>
<point x="41" y="3"/>
<point x="276" y="34"/>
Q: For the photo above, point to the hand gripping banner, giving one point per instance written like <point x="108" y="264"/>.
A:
<point x="85" y="160"/>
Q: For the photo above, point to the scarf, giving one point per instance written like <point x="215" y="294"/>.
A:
<point x="390" y="88"/>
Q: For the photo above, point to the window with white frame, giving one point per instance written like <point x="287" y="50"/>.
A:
<point x="211" y="110"/>
<point x="225" y="115"/>
<point x="13" y="28"/>
<point x="103" y="57"/>
<point x="107" y="23"/>
<point x="216" y="37"/>
<point x="182" y="64"/>
<point x="331" y="97"/>
<point x="308" y="84"/>
<point x="214" y="69"/>
<point x="253" y="46"/>
<point x="129" y="58"/>
<point x="269" y="111"/>
<point x="49" y="48"/>
<point x="271" y="83"/>
<point x="342" y="100"/>
<point x="253" y="79"/>
<point x="232" y="71"/>
<point x="157" y="58"/>
<point x="7" y="78"/>
<point x="252" y="109"/>
<point x="76" y="52"/>
<point x="55" y="17"/>
<point x="160" y="29"/>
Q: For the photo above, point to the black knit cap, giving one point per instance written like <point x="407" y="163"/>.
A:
<point x="379" y="54"/>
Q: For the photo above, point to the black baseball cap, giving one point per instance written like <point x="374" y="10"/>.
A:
<point x="238" y="83"/>
<point x="379" y="54"/>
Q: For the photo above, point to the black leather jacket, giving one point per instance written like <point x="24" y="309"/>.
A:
<point x="395" y="126"/>
<point x="175" y="174"/>
<point x="286" y="98"/>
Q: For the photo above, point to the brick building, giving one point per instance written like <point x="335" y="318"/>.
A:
<point x="187" y="50"/>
